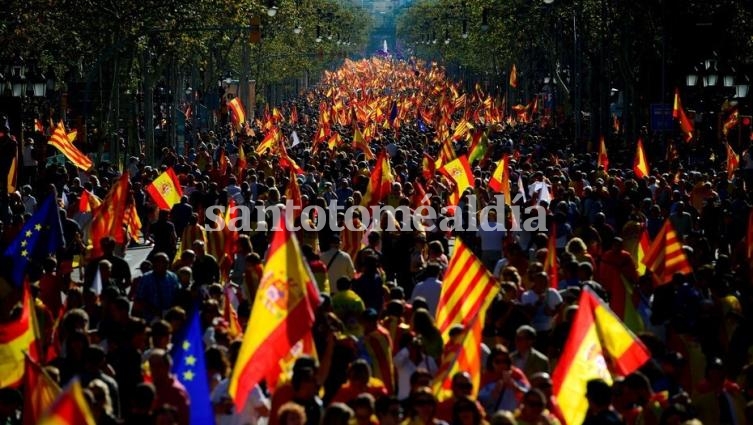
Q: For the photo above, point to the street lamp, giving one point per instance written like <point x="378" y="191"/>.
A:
<point x="271" y="8"/>
<point x="729" y="78"/>
<point x="741" y="89"/>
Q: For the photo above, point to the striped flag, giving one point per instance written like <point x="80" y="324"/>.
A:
<point x="665" y="256"/>
<point x="500" y="181"/>
<point x="467" y="283"/>
<point x="165" y="190"/>
<point x="603" y="157"/>
<point x="678" y="113"/>
<point x="40" y="392"/>
<point x="293" y="193"/>
<point x="446" y="154"/>
<point x="467" y="291"/>
<point x="271" y="139"/>
<point x="109" y="218"/>
<point x="237" y="112"/>
<point x="282" y="314"/>
<point x="598" y="345"/>
<point x="640" y="252"/>
<point x="88" y="202"/>
<point x="640" y="164"/>
<point x="16" y="338"/>
<point x="550" y="265"/>
<point x="63" y="142"/>
<point x="733" y="161"/>
<point x="380" y="182"/>
<point x="70" y="408"/>
<point x="38" y="126"/>
<point x="458" y="171"/>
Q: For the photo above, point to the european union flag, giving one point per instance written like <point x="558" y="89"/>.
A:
<point x="40" y="237"/>
<point x="421" y="126"/>
<point x="189" y="368"/>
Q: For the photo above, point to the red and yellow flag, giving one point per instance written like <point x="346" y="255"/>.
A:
<point x="293" y="193"/>
<point x="500" y="181"/>
<point x="466" y="293"/>
<point x="271" y="139"/>
<point x="678" y="113"/>
<point x="603" y="160"/>
<point x="70" y="408"/>
<point x="665" y="256"/>
<point x="40" y="392"/>
<point x="283" y="314"/>
<point x="63" y="142"/>
<point x="550" y="264"/>
<point x="165" y="190"/>
<point x="109" y="218"/>
<point x="466" y="286"/>
<point x="514" y="77"/>
<point x="641" y="248"/>
<point x="732" y="120"/>
<point x="16" y="338"/>
<point x="458" y="171"/>
<point x="428" y="166"/>
<point x="230" y="316"/>
<point x="293" y="115"/>
<point x="359" y="142"/>
<point x="598" y="346"/>
<point x="241" y="163"/>
<point x="640" y="164"/>
<point x="88" y="202"/>
<point x="38" y="126"/>
<point x="132" y="221"/>
<point x="380" y="182"/>
<point x="733" y="161"/>
<point x="237" y="112"/>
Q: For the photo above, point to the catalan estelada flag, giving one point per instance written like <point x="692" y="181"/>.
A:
<point x="598" y="346"/>
<point x="603" y="157"/>
<point x="458" y="171"/>
<point x="640" y="164"/>
<point x="380" y="182"/>
<point x="165" y="190"/>
<point x="665" y="256"/>
<point x="63" y="141"/>
<point x="16" y="338"/>
<point x="40" y="392"/>
<point x="282" y="314"/>
<point x="70" y="408"/>
<point x="678" y="113"/>
<point x="237" y="112"/>
<point x="500" y="180"/>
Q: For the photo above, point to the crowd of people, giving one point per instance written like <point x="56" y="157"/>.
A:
<point x="377" y="346"/>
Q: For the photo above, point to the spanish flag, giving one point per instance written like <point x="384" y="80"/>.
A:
<point x="500" y="181"/>
<point x="63" y="141"/>
<point x="458" y="171"/>
<point x="359" y="142"/>
<point x="640" y="252"/>
<point x="283" y="314"/>
<point x="293" y="193"/>
<point x="640" y="164"/>
<point x="598" y="346"/>
<point x="603" y="157"/>
<point x="16" y="338"/>
<point x="678" y="113"/>
<point x="665" y="256"/>
<point x="40" y="392"/>
<point x="165" y="190"/>
<point x="237" y="112"/>
<point x="271" y="138"/>
<point x="733" y="161"/>
<point x="380" y="182"/>
<point x="514" y="77"/>
<point x="70" y="408"/>
<point x="467" y="291"/>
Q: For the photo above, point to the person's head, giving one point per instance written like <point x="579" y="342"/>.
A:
<point x="363" y="408"/>
<point x="388" y="410"/>
<point x="359" y="373"/>
<point x="343" y="284"/>
<point x="160" y="364"/>
<point x="638" y="388"/>
<point x="108" y="245"/>
<point x="525" y="336"/>
<point x="462" y="385"/>
<point x="161" y="332"/>
<point x="304" y="383"/>
<point x="424" y="404"/>
<point x="540" y="282"/>
<point x="423" y="323"/>
<point x="465" y="412"/>
<point x="94" y="358"/>
<point x="291" y="414"/>
<point x="503" y="417"/>
<point x="161" y="262"/>
<point x="542" y="381"/>
<point x="499" y="359"/>
<point x="533" y="405"/>
<point x="598" y="394"/>
<point x="198" y="247"/>
<point x="337" y="414"/>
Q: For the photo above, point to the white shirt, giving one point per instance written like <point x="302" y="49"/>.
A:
<point x="30" y="203"/>
<point x="249" y="415"/>
<point x="340" y="267"/>
<point x="429" y="289"/>
<point x="405" y="368"/>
